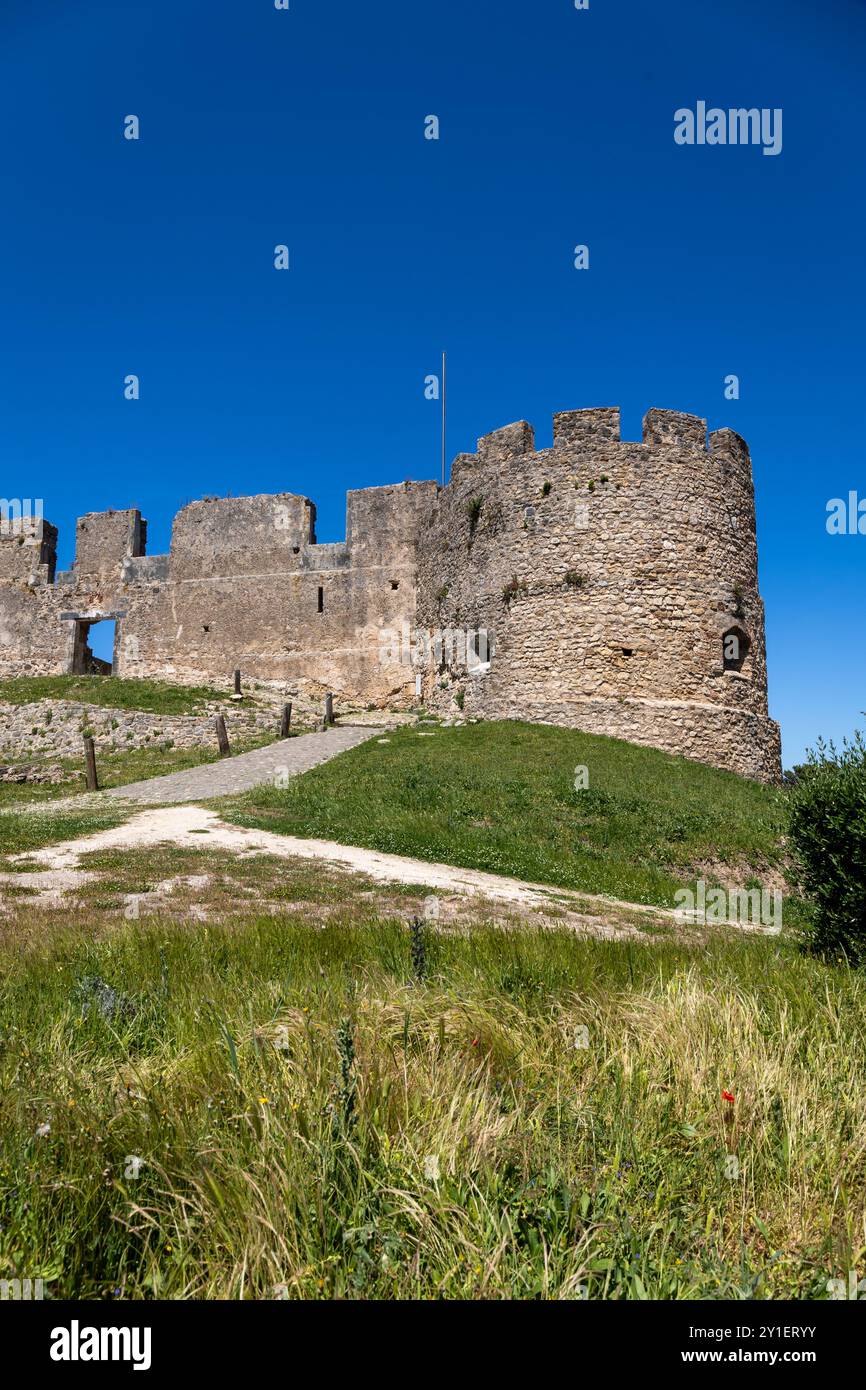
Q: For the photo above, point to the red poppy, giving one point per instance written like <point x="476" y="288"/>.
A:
<point x="726" y="1095"/>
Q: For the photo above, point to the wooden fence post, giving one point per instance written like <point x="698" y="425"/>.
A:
<point x="90" y="764"/>
<point x="329" y="709"/>
<point x="285" y="721"/>
<point x="237" y="682"/>
<point x="222" y="736"/>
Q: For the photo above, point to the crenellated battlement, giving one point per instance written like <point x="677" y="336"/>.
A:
<point x="511" y="441"/>
<point x="585" y="433"/>
<point x="587" y="429"/>
<point x="673" y="429"/>
<point x="584" y="428"/>
<point x="731" y="448"/>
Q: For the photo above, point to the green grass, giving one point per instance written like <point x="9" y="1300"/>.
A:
<point x="41" y="825"/>
<point x="153" y="697"/>
<point x="267" y="1112"/>
<point x="501" y="797"/>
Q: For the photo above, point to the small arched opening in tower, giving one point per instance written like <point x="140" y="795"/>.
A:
<point x="735" y="648"/>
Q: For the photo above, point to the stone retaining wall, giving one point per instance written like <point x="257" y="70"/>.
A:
<point x="54" y="728"/>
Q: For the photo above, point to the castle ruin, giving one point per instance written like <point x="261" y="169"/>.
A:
<point x="601" y="584"/>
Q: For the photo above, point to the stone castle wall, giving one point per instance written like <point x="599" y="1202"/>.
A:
<point x="244" y="586"/>
<point x="607" y="574"/>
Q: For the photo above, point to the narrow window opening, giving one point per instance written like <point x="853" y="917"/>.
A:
<point x="395" y="584"/>
<point x="321" y="600"/>
<point x="628" y="651"/>
<point x="479" y="650"/>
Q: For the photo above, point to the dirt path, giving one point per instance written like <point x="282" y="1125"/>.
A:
<point x="194" y="826"/>
<point x="197" y="827"/>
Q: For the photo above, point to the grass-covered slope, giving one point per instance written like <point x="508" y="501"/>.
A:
<point x="31" y="827"/>
<point x="153" y="697"/>
<point x="541" y="1117"/>
<point x="501" y="797"/>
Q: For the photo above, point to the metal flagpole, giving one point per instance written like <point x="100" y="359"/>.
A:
<point x="443" y="419"/>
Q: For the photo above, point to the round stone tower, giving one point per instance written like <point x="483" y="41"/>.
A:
<point x="604" y="585"/>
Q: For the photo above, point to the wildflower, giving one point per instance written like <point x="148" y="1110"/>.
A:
<point x="726" y="1095"/>
<point x="42" y="1130"/>
<point x="263" y="1100"/>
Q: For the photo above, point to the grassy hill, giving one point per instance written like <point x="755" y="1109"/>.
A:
<point x="317" y="1110"/>
<point x="501" y="797"/>
<point x="540" y="1117"/>
<point x="153" y="697"/>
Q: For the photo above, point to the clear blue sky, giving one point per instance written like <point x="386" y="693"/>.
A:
<point x="305" y="127"/>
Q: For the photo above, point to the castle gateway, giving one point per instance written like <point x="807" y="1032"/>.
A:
<point x="615" y="584"/>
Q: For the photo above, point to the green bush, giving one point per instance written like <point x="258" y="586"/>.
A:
<point x="473" y="511"/>
<point x="828" y="842"/>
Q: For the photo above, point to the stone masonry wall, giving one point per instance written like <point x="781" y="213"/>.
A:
<point x="54" y="728"/>
<point x="245" y="586"/>
<point x="607" y="573"/>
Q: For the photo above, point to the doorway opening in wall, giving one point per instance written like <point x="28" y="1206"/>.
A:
<point x="94" y="648"/>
